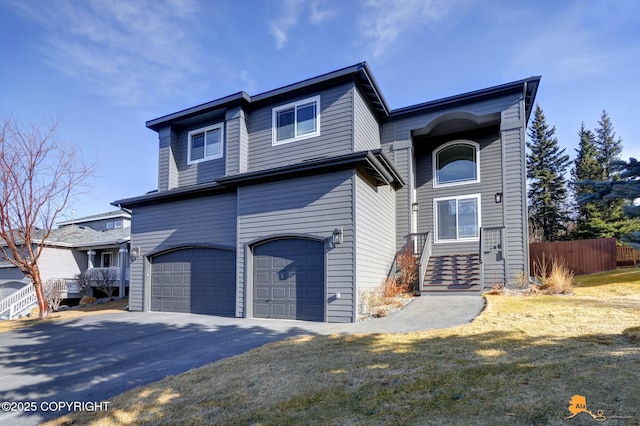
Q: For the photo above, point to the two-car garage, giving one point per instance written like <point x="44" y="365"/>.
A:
<point x="288" y="280"/>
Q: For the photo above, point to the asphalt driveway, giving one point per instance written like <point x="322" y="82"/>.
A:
<point x="97" y="357"/>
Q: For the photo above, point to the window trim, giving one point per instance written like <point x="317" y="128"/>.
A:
<point x="294" y="105"/>
<point x="434" y="162"/>
<point x="219" y="126"/>
<point x="437" y="240"/>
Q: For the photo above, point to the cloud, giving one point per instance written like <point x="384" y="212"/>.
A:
<point x="383" y="21"/>
<point x="319" y="14"/>
<point x="290" y="14"/>
<point x="288" y="18"/>
<point x="134" y="52"/>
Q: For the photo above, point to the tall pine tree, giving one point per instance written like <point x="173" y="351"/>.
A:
<point x="599" y="197"/>
<point x="609" y="220"/>
<point x="546" y="167"/>
<point x="587" y="167"/>
<point x="609" y="148"/>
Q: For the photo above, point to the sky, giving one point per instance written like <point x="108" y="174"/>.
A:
<point x="105" y="67"/>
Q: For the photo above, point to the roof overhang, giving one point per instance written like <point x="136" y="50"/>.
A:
<point x="360" y="73"/>
<point x="375" y="162"/>
<point x="527" y="88"/>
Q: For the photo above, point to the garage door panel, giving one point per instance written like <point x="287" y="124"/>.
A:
<point x="289" y="279"/>
<point x="195" y="280"/>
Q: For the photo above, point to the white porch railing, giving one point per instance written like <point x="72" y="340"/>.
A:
<point x="115" y="269"/>
<point x="18" y="301"/>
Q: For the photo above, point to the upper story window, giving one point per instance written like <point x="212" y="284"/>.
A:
<point x="456" y="163"/>
<point x="296" y="121"/>
<point x="205" y="144"/>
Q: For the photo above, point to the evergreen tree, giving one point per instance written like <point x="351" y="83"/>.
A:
<point x="587" y="167"/>
<point x="609" y="220"/>
<point x="603" y="200"/>
<point x="625" y="190"/>
<point x="546" y="167"/>
<point x="609" y="147"/>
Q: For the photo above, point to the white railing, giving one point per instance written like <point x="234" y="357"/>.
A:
<point x="18" y="301"/>
<point x="115" y="269"/>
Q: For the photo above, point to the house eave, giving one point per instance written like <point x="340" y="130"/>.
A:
<point x="359" y="73"/>
<point x="527" y="86"/>
<point x="172" y="194"/>
<point x="382" y="170"/>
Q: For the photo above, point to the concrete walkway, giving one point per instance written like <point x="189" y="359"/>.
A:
<point x="96" y="357"/>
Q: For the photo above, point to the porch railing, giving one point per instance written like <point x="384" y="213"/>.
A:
<point x="115" y="270"/>
<point x="19" y="300"/>
<point x="416" y="241"/>
<point x="491" y="240"/>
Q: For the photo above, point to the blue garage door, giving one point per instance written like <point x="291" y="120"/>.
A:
<point x="288" y="279"/>
<point x="194" y="280"/>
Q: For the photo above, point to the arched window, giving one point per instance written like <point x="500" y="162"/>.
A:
<point x="456" y="163"/>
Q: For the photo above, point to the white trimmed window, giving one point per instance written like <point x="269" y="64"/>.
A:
<point x="205" y="144"/>
<point x="457" y="218"/>
<point x="296" y="121"/>
<point x="456" y="163"/>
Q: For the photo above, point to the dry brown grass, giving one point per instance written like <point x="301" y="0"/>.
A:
<point x="554" y="275"/>
<point x="518" y="363"/>
<point x="103" y="308"/>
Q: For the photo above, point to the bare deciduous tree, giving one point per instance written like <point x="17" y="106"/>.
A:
<point x="54" y="290"/>
<point x="105" y="278"/>
<point x="38" y="177"/>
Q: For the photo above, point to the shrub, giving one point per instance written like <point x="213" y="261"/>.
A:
<point x="54" y="292"/>
<point x="554" y="277"/>
<point x="408" y="270"/>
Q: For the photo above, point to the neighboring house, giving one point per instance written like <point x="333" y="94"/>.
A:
<point x="99" y="241"/>
<point x="293" y="203"/>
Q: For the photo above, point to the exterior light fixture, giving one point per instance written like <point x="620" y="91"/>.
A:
<point x="415" y="207"/>
<point x="134" y="253"/>
<point x="498" y="197"/>
<point x="337" y="236"/>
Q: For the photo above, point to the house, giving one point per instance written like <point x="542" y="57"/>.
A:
<point x="293" y="203"/>
<point x="77" y="245"/>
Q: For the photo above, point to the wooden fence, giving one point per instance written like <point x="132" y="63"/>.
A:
<point x="582" y="256"/>
<point x="627" y="256"/>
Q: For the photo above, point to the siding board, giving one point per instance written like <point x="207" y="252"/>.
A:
<point x="366" y="128"/>
<point x="336" y="132"/>
<point x="323" y="203"/>
<point x="206" y="220"/>
<point x="375" y="243"/>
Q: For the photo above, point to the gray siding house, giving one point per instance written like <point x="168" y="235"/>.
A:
<point x="292" y="203"/>
<point x="87" y="243"/>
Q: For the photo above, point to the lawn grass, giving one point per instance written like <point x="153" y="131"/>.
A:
<point x="109" y="307"/>
<point x="519" y="362"/>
